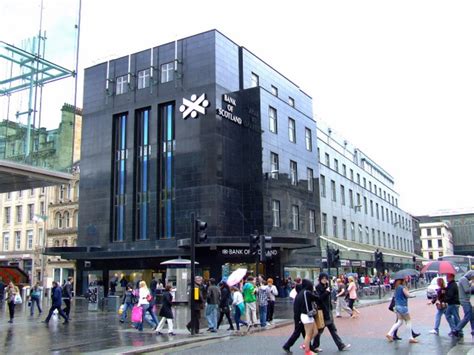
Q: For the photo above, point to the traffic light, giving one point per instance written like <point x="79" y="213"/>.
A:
<point x="335" y="257"/>
<point x="254" y="243"/>
<point x="200" y="231"/>
<point x="330" y="253"/>
<point x="265" y="241"/>
<point x="414" y="258"/>
<point x="378" y="256"/>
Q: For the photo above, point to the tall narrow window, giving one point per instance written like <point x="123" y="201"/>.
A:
<point x="142" y="169"/>
<point x="7" y="215"/>
<point x="310" y="176"/>
<point x="272" y="117"/>
<point x="19" y="214"/>
<point x="31" y="212"/>
<point x="327" y="159"/>
<point x="17" y="240"/>
<point x="6" y="241"/>
<point x="365" y="205"/>
<point x="275" y="165"/>
<point x="367" y="240"/>
<point x="276" y="213"/>
<point x="293" y="172"/>
<point x="167" y="135"/>
<point x="352" y="231"/>
<point x="324" y="224"/>
<point x="29" y="239"/>
<point x="351" y="199"/>
<point x="312" y="224"/>
<point x="254" y="80"/>
<point x="291" y="130"/>
<point x="361" y="232"/>
<point x="333" y="190"/>
<point x="167" y="72"/>
<point x="343" y="195"/>
<point x="295" y="212"/>
<point x="334" y="226"/>
<point x="121" y="85"/>
<point x="120" y="157"/>
<point x="308" y="139"/>
<point x="143" y="78"/>
<point x="322" y="187"/>
<point x="344" y="229"/>
<point x="336" y="165"/>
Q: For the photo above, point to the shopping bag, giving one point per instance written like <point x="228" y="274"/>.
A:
<point x="319" y="319"/>
<point x="137" y="314"/>
<point x="17" y="299"/>
<point x="120" y="311"/>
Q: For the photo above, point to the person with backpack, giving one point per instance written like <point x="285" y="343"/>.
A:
<point x="35" y="297"/>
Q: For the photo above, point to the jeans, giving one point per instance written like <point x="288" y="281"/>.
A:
<point x="439" y="314"/>
<point x="468" y="317"/>
<point x="452" y="315"/>
<point x="334" y="335"/>
<point x="211" y="315"/>
<point x="32" y="307"/>
<point x="144" y="309"/>
<point x="262" y="310"/>
<point x="237" y="319"/>
<point x="154" y="321"/>
<point x="126" y="307"/>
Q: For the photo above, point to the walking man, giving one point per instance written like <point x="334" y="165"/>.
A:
<point x="213" y="297"/>
<point x="464" y="298"/>
<point x="452" y="299"/>
<point x="67" y="295"/>
<point x="198" y="304"/>
<point x="299" y="326"/>
<point x="250" y="300"/>
<point x="56" y="297"/>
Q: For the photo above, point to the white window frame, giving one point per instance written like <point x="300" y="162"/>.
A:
<point x="274" y="165"/>
<point x="167" y="72"/>
<point x="295" y="217"/>
<point x="121" y="84"/>
<point x="143" y="79"/>
<point x="310" y="176"/>
<point x="312" y="218"/>
<point x="6" y="241"/>
<point x="17" y="240"/>
<point x="29" y="239"/>
<point x="273" y="119"/>
<point x="276" y="213"/>
<point x="293" y="173"/>
<point x="308" y="139"/>
<point x="291" y="130"/>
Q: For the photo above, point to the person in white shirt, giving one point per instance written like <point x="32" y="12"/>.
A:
<point x="144" y="298"/>
<point x="239" y="306"/>
<point x="271" y="300"/>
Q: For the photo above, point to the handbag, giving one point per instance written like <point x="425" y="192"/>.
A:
<point x="149" y="297"/>
<point x="441" y="306"/>
<point x="137" y="314"/>
<point x="310" y="313"/>
<point x="319" y="319"/>
<point x="120" y="310"/>
<point x="391" y="306"/>
<point x="17" y="299"/>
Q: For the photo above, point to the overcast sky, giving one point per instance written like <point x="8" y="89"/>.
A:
<point x="395" y="78"/>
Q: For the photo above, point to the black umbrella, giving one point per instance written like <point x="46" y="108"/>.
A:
<point x="400" y="275"/>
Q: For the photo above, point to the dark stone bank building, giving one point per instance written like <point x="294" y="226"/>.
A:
<point x="200" y="125"/>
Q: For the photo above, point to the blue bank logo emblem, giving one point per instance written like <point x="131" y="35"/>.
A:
<point x="194" y="106"/>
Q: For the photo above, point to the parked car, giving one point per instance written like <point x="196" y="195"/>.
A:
<point x="433" y="287"/>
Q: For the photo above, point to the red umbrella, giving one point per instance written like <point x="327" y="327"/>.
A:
<point x="440" y="267"/>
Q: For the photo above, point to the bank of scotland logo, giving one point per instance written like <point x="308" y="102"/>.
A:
<point x="195" y="106"/>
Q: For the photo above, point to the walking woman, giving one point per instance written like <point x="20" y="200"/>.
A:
<point x="304" y="303"/>
<point x="35" y="297"/>
<point x="12" y="291"/>
<point x="323" y="301"/>
<point x="224" y="305"/>
<point x="401" y="309"/>
<point x="441" y="305"/>
<point x="166" y="312"/>
<point x="127" y="301"/>
<point x="239" y="306"/>
<point x="144" y="298"/>
<point x="340" y="299"/>
<point x="352" y="291"/>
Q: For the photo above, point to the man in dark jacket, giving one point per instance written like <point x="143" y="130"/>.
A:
<point x="2" y="291"/>
<point x="213" y="300"/>
<point x="67" y="295"/>
<point x="56" y="297"/>
<point x="198" y="305"/>
<point x="452" y="299"/>
<point x="323" y="293"/>
<point x="297" y="307"/>
<point x="224" y="305"/>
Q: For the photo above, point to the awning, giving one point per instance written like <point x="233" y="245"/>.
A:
<point x="368" y="249"/>
<point x="13" y="273"/>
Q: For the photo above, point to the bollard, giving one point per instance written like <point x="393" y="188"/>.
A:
<point x="380" y="292"/>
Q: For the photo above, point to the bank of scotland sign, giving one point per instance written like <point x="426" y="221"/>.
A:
<point x="194" y="106"/>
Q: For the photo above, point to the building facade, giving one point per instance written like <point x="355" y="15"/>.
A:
<point x="199" y="126"/>
<point x="436" y="239"/>
<point x="359" y="208"/>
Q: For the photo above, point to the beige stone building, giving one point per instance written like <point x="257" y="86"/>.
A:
<point x="436" y="240"/>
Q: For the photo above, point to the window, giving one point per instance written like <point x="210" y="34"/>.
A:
<point x="352" y="174"/>
<point x="367" y="241"/>
<point x="438" y="231"/>
<point x="61" y="192"/>
<point x="324" y="224"/>
<point x="428" y="230"/>
<point x="430" y="243"/>
<point x="388" y="240"/>
<point x="68" y="192"/>
<point x="326" y="156"/>
<point x="272" y="116"/>
<point x="440" y="243"/>
<point x="291" y="101"/>
<point x="378" y="238"/>
<point x="32" y="192"/>
<point x="19" y="214"/>
<point x="29" y="239"/>
<point x="344" y="229"/>
<point x="31" y="212"/>
<point x="351" y="199"/>
<point x="66" y="220"/>
<point x="312" y="225"/>
<point x="295" y="212"/>
<point x="276" y="213"/>
<point x="381" y="211"/>
<point x="167" y="72"/>
<point x="344" y="169"/>
<point x="274" y="90"/>
<point x="352" y="231"/>
<point x="343" y="195"/>
<point x="65" y="243"/>
<point x="293" y="172"/>
<point x="358" y="178"/>
<point x="6" y="241"/>
<point x="274" y="165"/>
<point x="42" y="211"/>
<point x="121" y="85"/>
<point x="384" y="239"/>
<point x="143" y="79"/>
<point x="334" y="226"/>
<point x="361" y="232"/>
<point x="336" y="165"/>
<point x="430" y="255"/>
<point x="333" y="190"/>
<point x="375" y="189"/>
<point x="370" y="186"/>
<point x="17" y="240"/>
<point x="364" y="182"/>
<point x="59" y="220"/>
<point x="359" y="204"/>
<point x="291" y="130"/>
<point x="371" y="208"/>
<point x="7" y="215"/>
<point x="365" y="205"/>
<point x="322" y="179"/>
<point x="373" y="236"/>
<point x="310" y="176"/>
<point x="254" y="80"/>
<point x="56" y="243"/>
<point x="377" y="210"/>
<point x="441" y="254"/>
<point x="308" y="139"/>
<point x="9" y="195"/>
<point x="384" y="195"/>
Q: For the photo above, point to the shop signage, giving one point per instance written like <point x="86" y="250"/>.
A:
<point x="356" y="263"/>
<point x="229" y="105"/>
<point x="345" y="263"/>
<point x="233" y="252"/>
<point x="194" y="106"/>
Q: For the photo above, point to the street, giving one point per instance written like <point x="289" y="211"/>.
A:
<point x="366" y="334"/>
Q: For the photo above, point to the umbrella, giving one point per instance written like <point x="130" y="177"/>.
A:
<point x="236" y="276"/>
<point x="401" y="274"/>
<point x="439" y="267"/>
